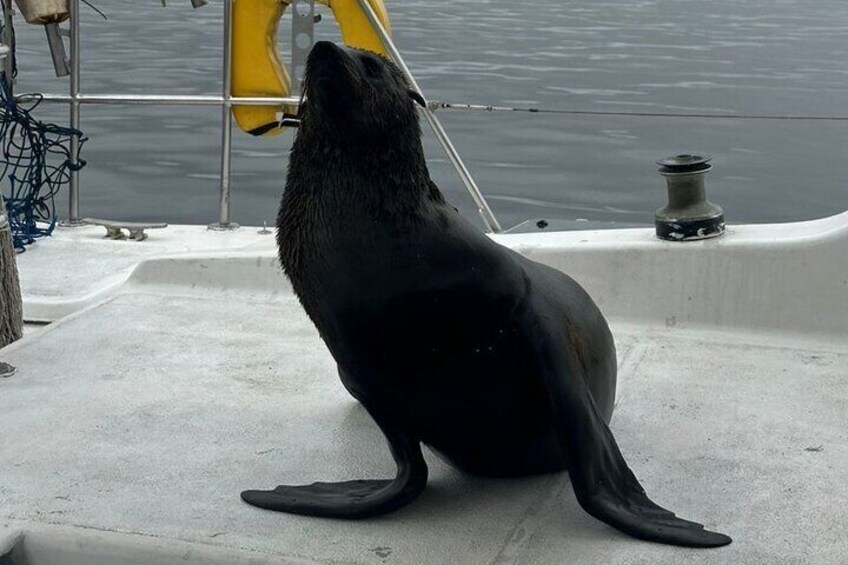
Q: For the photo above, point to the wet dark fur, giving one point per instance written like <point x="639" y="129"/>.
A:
<point x="503" y="365"/>
<point x="368" y="164"/>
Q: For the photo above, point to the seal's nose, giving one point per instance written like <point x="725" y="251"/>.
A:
<point x="326" y="61"/>
<point x="328" y="78"/>
<point x="324" y="50"/>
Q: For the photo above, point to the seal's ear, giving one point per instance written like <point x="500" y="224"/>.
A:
<point x="415" y="95"/>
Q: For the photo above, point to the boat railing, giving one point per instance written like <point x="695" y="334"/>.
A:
<point x="303" y="26"/>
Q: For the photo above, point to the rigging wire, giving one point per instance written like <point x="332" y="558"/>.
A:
<point x="96" y="9"/>
<point x="438" y="105"/>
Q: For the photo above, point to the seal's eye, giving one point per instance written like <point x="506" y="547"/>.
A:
<point x="372" y="67"/>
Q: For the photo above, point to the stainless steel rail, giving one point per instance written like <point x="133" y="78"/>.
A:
<point x="167" y="99"/>
<point x="76" y="99"/>
<point x="8" y="39"/>
<point x="74" y="208"/>
<point x="226" y="124"/>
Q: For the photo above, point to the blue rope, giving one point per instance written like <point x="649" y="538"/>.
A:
<point x="35" y="158"/>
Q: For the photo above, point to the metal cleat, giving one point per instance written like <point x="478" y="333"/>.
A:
<point x="114" y="229"/>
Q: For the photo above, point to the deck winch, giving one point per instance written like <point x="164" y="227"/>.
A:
<point x="688" y="215"/>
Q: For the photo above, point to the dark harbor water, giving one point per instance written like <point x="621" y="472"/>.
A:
<point x="755" y="57"/>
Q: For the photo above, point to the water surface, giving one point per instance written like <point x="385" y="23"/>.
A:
<point x="757" y="57"/>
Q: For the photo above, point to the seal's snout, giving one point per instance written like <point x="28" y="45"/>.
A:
<point x="328" y="73"/>
<point x="325" y="50"/>
<point x="326" y="60"/>
<point x="357" y="92"/>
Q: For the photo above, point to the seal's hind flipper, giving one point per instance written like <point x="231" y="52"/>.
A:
<point x="603" y="483"/>
<point x="354" y="499"/>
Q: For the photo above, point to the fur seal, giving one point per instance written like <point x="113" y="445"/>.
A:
<point x="504" y="366"/>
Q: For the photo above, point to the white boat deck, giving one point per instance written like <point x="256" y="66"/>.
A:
<point x="132" y="425"/>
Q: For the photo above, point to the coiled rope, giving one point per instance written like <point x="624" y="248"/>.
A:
<point x="35" y="159"/>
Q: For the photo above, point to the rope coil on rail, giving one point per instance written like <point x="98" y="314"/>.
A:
<point x="35" y="157"/>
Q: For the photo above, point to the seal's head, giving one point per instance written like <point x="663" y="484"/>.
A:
<point x="356" y="168"/>
<point x="356" y="96"/>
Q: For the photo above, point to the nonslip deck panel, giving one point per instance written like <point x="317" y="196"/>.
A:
<point x="77" y="267"/>
<point x="148" y="414"/>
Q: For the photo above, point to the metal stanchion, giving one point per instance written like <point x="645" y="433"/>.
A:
<point x="74" y="219"/>
<point x="8" y="40"/>
<point x="224" y="222"/>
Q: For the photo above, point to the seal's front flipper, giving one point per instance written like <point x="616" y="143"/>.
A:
<point x="603" y="483"/>
<point x="354" y="499"/>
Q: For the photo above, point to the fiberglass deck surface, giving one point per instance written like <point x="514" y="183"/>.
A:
<point x="78" y="266"/>
<point x="149" y="413"/>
